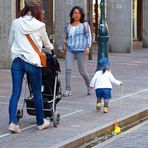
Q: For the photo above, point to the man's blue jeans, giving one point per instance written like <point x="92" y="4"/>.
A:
<point x="18" y="69"/>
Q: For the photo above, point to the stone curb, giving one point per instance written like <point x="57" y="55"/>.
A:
<point x="121" y="135"/>
<point x="90" y="135"/>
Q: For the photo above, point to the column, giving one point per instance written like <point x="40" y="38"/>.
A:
<point x="7" y="14"/>
<point x="120" y="23"/>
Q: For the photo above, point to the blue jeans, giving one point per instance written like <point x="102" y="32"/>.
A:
<point x="81" y="60"/>
<point x="18" y="69"/>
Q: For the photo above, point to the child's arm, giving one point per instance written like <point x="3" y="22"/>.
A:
<point x="113" y="80"/>
<point x="93" y="81"/>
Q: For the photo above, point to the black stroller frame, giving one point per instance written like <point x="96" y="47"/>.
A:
<point x="51" y="96"/>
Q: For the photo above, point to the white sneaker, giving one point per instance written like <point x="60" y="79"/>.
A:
<point x="44" y="125"/>
<point x="13" y="128"/>
<point x="67" y="93"/>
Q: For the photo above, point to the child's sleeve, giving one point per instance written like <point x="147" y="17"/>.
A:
<point x="113" y="80"/>
<point x="93" y="81"/>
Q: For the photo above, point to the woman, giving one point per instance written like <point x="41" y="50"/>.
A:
<point x="26" y="60"/>
<point x="77" y="42"/>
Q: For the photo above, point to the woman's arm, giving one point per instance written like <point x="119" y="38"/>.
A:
<point x="44" y="37"/>
<point x="11" y="35"/>
<point x="88" y="36"/>
<point x="63" y="50"/>
<point x="63" y="40"/>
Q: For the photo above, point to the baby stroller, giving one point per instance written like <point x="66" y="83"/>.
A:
<point x="51" y="92"/>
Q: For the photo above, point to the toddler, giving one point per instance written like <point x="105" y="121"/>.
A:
<point x="101" y="81"/>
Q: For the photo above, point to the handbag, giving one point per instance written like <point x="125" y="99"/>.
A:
<point x="42" y="55"/>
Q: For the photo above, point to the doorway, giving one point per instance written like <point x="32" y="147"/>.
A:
<point x="137" y="20"/>
<point x="19" y="7"/>
<point x="137" y="24"/>
<point x="48" y="8"/>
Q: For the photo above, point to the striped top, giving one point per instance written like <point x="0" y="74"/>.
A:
<point x="78" y="38"/>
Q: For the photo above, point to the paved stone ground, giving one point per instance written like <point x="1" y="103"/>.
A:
<point x="134" y="138"/>
<point x="78" y="113"/>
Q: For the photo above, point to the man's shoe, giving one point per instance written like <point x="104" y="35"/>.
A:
<point x="13" y="128"/>
<point x="67" y="93"/>
<point x="98" y="106"/>
<point x="44" y="125"/>
<point x="105" y="110"/>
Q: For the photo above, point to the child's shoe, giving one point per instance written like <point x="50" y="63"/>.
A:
<point x="105" y="109"/>
<point x="98" y="106"/>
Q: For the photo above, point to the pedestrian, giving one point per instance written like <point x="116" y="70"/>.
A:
<point x="26" y="60"/>
<point x="102" y="80"/>
<point x="76" y="45"/>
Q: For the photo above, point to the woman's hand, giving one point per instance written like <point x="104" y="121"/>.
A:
<point x="63" y="51"/>
<point x="86" y="51"/>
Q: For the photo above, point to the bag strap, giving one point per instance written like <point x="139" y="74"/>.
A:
<point x="33" y="44"/>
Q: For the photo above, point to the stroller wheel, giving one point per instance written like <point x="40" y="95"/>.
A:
<point x="19" y="114"/>
<point x="56" y="119"/>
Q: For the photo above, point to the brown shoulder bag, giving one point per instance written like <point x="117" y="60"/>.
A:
<point x="42" y="55"/>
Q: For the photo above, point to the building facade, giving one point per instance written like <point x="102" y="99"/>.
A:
<point x="127" y="21"/>
<point x="56" y="14"/>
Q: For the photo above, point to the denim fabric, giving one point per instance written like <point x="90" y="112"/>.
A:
<point x="81" y="60"/>
<point x="104" y="93"/>
<point x="18" y="69"/>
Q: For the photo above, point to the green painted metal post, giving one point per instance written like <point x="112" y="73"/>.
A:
<point x="103" y="34"/>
